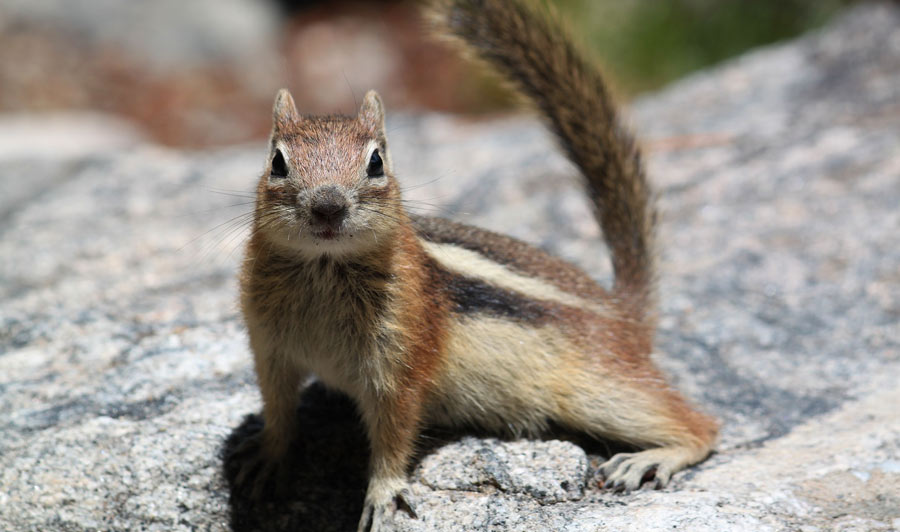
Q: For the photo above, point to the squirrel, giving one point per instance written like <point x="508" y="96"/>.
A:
<point x="424" y="321"/>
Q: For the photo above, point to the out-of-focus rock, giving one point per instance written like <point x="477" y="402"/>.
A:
<point x="189" y="73"/>
<point x="166" y="33"/>
<point x="204" y="73"/>
<point x="124" y="369"/>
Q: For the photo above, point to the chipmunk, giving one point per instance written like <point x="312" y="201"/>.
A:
<point x="427" y="321"/>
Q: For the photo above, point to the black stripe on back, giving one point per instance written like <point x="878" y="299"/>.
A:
<point x="474" y="296"/>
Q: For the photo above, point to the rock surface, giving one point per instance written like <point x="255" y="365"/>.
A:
<point x="124" y="370"/>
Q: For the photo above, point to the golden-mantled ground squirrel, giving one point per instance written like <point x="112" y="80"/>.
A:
<point x="425" y="321"/>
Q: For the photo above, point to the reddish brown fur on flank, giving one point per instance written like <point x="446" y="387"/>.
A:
<point x="423" y="311"/>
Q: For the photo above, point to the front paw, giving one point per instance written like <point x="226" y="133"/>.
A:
<point x="256" y="474"/>
<point x="378" y="516"/>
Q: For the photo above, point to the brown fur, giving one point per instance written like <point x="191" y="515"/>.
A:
<point x="428" y="321"/>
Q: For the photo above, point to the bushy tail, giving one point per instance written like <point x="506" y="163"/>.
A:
<point x="529" y="46"/>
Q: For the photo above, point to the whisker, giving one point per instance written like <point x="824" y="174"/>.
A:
<point x="212" y="247"/>
<point x="236" y="193"/>
<point x="380" y="213"/>
<point x="425" y="184"/>
<point x="234" y="228"/>
<point x="399" y="127"/>
<point x="411" y="204"/>
<point x="227" y="243"/>
<point x="352" y="92"/>
<point x="240" y="243"/>
<point x="266" y="221"/>
<point x="266" y="224"/>
<point x="207" y="211"/>
<point x="229" y="221"/>
<point x="431" y="198"/>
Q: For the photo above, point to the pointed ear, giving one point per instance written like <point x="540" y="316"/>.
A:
<point x="284" y="112"/>
<point x="371" y="113"/>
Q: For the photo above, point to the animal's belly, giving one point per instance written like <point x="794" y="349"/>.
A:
<point x="501" y="376"/>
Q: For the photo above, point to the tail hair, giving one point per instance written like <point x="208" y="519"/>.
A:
<point x="529" y="46"/>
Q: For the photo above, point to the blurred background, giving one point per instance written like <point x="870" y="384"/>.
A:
<point x="203" y="73"/>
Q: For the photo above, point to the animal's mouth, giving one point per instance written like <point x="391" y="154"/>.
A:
<point x="326" y="234"/>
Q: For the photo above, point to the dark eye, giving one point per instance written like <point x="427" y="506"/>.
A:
<point x="376" y="166"/>
<point x="279" y="166"/>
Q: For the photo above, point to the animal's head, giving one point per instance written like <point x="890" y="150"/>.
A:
<point x="328" y="187"/>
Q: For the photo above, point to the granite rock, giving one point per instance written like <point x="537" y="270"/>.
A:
<point x="125" y="378"/>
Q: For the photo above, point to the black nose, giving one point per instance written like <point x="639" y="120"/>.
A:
<point x="329" y="205"/>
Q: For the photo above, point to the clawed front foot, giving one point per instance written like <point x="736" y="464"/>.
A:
<point x="258" y="474"/>
<point x="380" y="507"/>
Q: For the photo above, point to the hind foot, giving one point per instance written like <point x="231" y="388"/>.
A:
<point x="628" y="471"/>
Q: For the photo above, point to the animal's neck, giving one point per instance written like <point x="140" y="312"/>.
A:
<point x="392" y="263"/>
